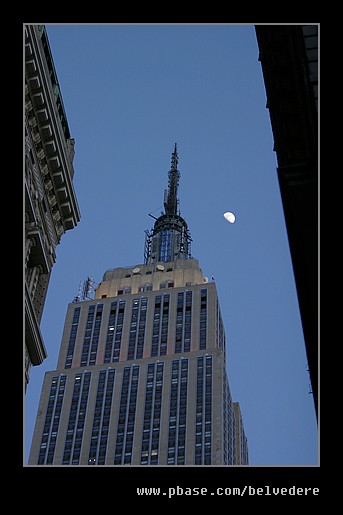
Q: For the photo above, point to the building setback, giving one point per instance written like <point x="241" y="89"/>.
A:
<point x="141" y="374"/>
<point x="51" y="206"/>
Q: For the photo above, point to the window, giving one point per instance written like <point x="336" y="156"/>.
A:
<point x="145" y="287"/>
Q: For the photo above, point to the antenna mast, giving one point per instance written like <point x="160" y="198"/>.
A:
<point x="85" y="290"/>
<point x="170" y="197"/>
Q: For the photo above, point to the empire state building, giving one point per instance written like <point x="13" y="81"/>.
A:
<point x="141" y="375"/>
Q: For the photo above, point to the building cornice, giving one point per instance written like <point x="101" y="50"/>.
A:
<point x="55" y="149"/>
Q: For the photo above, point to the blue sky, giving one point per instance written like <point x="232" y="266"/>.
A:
<point x="130" y="92"/>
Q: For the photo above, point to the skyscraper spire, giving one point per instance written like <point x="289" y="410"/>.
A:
<point x="170" y="197"/>
<point x="170" y="238"/>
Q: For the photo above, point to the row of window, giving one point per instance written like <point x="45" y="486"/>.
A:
<point x="149" y="453"/>
<point x="136" y="343"/>
<point x="77" y="417"/>
<point x="177" y="413"/>
<point x="127" y="414"/>
<point x="160" y="325"/>
<point x="144" y="287"/>
<point x="101" y="420"/>
<point x="72" y="338"/>
<point x="149" y="272"/>
<point x="52" y="419"/>
<point x="203" y="423"/>
<point x="91" y="337"/>
<point x="152" y="414"/>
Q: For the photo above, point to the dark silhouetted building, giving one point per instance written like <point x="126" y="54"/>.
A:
<point x="289" y="59"/>
<point x="51" y="207"/>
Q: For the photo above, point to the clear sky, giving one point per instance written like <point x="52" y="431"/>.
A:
<point x="130" y="92"/>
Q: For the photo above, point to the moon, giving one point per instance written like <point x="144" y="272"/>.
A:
<point x="230" y="217"/>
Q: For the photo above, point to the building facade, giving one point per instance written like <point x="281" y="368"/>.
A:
<point x="51" y="206"/>
<point x="141" y="375"/>
<point x="289" y="59"/>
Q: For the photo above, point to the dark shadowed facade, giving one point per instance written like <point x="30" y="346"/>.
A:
<point x="289" y="59"/>
<point x="51" y="207"/>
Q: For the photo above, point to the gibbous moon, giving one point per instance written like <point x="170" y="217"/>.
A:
<point x="230" y="217"/>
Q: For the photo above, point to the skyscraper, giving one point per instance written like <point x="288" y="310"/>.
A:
<point x="141" y="375"/>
